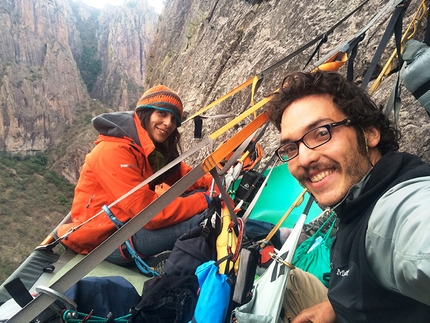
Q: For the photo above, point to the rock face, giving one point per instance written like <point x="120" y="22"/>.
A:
<point x="49" y="51"/>
<point x="62" y="63"/>
<point x="39" y="81"/>
<point x="204" y="49"/>
<point x="124" y="37"/>
<point x="60" y="57"/>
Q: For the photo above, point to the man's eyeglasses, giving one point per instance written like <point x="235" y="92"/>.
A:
<point x="311" y="139"/>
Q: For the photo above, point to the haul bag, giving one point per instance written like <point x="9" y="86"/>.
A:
<point x="416" y="76"/>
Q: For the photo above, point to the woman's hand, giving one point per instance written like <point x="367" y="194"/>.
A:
<point x="320" y="313"/>
<point x="161" y="188"/>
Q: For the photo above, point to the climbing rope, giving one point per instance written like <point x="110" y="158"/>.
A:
<point x="72" y="316"/>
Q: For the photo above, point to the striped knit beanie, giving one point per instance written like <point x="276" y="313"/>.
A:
<point x="162" y="98"/>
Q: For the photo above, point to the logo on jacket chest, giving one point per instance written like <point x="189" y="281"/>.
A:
<point x="128" y="165"/>
<point x="342" y="272"/>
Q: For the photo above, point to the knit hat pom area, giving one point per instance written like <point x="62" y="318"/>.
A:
<point x="160" y="97"/>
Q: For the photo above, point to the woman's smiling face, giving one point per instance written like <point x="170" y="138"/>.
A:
<point x="160" y="126"/>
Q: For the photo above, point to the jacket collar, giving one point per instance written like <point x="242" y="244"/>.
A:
<point x="116" y="126"/>
<point x="145" y="141"/>
<point x="391" y="169"/>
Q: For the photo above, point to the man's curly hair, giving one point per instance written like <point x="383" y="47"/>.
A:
<point x="353" y="101"/>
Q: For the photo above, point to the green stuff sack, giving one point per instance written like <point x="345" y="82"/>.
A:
<point x="313" y="255"/>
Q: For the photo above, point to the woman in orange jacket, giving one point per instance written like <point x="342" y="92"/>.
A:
<point x="130" y="148"/>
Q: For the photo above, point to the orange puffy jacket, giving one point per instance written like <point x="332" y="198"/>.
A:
<point x="117" y="164"/>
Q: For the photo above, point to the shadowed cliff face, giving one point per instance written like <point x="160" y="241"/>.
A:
<point x="204" y="49"/>
<point x="124" y="37"/>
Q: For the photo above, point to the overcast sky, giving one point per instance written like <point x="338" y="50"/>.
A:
<point x="157" y="4"/>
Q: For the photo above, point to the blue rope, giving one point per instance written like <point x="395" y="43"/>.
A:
<point x="141" y="265"/>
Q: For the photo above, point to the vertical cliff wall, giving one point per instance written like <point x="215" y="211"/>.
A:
<point x="40" y="87"/>
<point x="206" y="48"/>
<point x="124" y="37"/>
<point x="58" y="55"/>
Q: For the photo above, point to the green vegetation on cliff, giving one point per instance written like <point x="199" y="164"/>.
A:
<point x="33" y="201"/>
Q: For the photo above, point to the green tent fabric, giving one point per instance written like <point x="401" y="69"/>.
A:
<point x="281" y="191"/>
<point x="313" y="255"/>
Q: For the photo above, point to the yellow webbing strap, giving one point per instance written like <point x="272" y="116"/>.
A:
<point x="296" y="203"/>
<point x="229" y="94"/>
<point x="419" y="14"/>
<point x="238" y="119"/>
<point x="244" y="156"/>
<point x="334" y="63"/>
<point x="253" y="89"/>
<point x="217" y="156"/>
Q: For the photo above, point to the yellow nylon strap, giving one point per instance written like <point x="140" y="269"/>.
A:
<point x="333" y="64"/>
<point x="229" y="94"/>
<point x="218" y="155"/>
<point x="238" y="119"/>
<point x="225" y="238"/>
<point x="296" y="203"/>
<point x="244" y="156"/>
<point x="408" y="34"/>
<point x="254" y="84"/>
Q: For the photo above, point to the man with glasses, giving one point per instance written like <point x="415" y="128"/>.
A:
<point x="343" y="149"/>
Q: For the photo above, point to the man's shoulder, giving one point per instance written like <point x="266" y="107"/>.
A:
<point x="406" y="190"/>
<point x="400" y="202"/>
<point x="396" y="231"/>
<point x="396" y="169"/>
